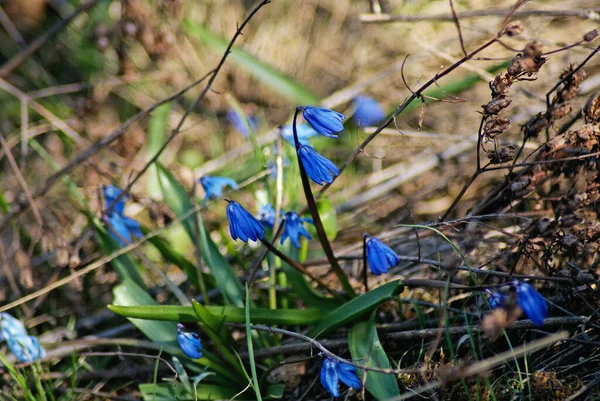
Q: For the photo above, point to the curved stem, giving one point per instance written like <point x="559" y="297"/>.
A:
<point x="314" y="212"/>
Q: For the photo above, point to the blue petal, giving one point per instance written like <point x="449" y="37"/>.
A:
<point x="240" y="125"/>
<point x="133" y="227"/>
<point x="347" y="374"/>
<point x="189" y="342"/>
<point x="293" y="229"/>
<point x="266" y="215"/>
<point x="26" y="348"/>
<point x="242" y="225"/>
<point x="111" y="193"/>
<point x="497" y="300"/>
<point x="329" y="377"/>
<point x="318" y="168"/>
<point x="305" y="132"/>
<point x="368" y="111"/>
<point x="10" y="327"/>
<point x="117" y="226"/>
<point x="380" y="256"/>
<point x="326" y="122"/>
<point x="533" y="304"/>
<point x="213" y="186"/>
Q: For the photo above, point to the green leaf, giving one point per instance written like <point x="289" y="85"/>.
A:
<point x="179" y="202"/>
<point x="170" y="392"/>
<point x="365" y="347"/>
<point x="279" y="82"/>
<point x="275" y="391"/>
<point x="157" y="127"/>
<point x="229" y="314"/>
<point x="128" y="293"/>
<point x="357" y="308"/>
<point x="213" y="324"/>
<point x="328" y="217"/>
<point x="255" y="385"/>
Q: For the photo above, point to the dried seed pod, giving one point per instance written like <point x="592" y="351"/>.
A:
<point x="501" y="84"/>
<point x="496" y="105"/>
<point x="495" y="126"/>
<point x="502" y="155"/>
<point x="513" y="29"/>
<point x="559" y="111"/>
<point x="533" y="49"/>
<point x="535" y="125"/>
<point x="591" y="35"/>
<point x="591" y="111"/>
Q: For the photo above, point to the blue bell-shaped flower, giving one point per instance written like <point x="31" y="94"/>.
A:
<point x="242" y="225"/>
<point x="326" y="122"/>
<point x="380" y="256"/>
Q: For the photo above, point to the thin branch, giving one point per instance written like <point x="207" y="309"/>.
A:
<point x="591" y="14"/>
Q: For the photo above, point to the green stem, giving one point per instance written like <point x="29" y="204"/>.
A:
<point x="314" y="212"/>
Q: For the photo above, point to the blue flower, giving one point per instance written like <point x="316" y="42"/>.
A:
<point x="126" y="228"/>
<point x="320" y="169"/>
<point x="111" y="193"/>
<point x="189" y="342"/>
<point x="294" y="228"/>
<point x="380" y="256"/>
<point x="213" y="186"/>
<point x="266" y="215"/>
<point x="240" y="125"/>
<point x="10" y="327"/>
<point x="326" y="122"/>
<point x="496" y="299"/>
<point x="242" y="225"/>
<point x="26" y="348"/>
<point x="533" y="304"/>
<point x="305" y="132"/>
<point x="333" y="371"/>
<point x="368" y="112"/>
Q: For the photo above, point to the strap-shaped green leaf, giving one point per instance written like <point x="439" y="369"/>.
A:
<point x="357" y="307"/>
<point x="229" y="314"/>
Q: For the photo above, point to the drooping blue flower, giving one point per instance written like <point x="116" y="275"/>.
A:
<point x="320" y="169"/>
<point x="239" y="124"/>
<point x="111" y="193"/>
<point x="26" y="348"/>
<point x="242" y="225"/>
<point x="368" y="112"/>
<point x="189" y="342"/>
<point x="496" y="299"/>
<point x="126" y="228"/>
<point x="533" y="304"/>
<point x="266" y="215"/>
<point x="305" y="132"/>
<point x="294" y="229"/>
<point x="123" y="229"/>
<point x="380" y="256"/>
<point x="213" y="186"/>
<point x="326" y="122"/>
<point x="333" y="371"/>
<point x="10" y="327"/>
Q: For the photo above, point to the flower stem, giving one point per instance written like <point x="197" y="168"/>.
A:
<point x="314" y="212"/>
<point x="296" y="266"/>
<point x="365" y="263"/>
